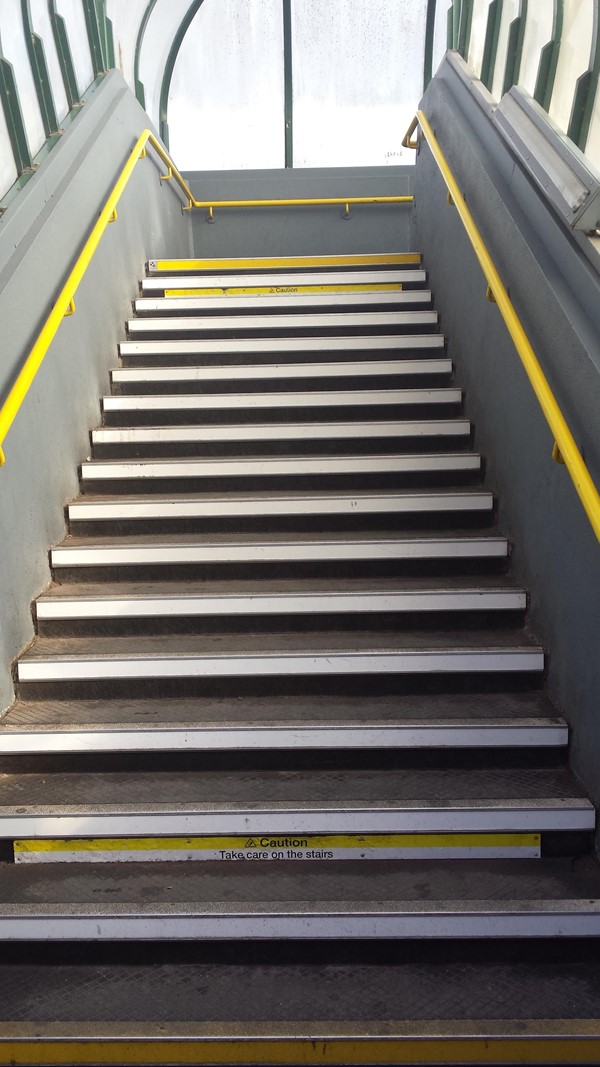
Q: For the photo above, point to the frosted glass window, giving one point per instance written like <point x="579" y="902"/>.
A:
<point x="358" y="78"/>
<point x="40" y="23"/>
<point x="8" y="170"/>
<point x="15" y="50"/>
<point x="226" y="106"/>
<point x="510" y="11"/>
<point x="72" y="12"/>
<point x="440" y="32"/>
<point x="126" y="16"/>
<point x="573" y="58"/>
<point x="161" y="29"/>
<point x="481" y="10"/>
<point x="538" y="32"/>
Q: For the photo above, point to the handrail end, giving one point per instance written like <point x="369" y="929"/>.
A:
<point x="406" y="140"/>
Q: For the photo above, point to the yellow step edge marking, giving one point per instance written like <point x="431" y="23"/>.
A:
<point x="375" y="259"/>
<point x="273" y="290"/>
<point x="334" y="1051"/>
<point x="279" y="847"/>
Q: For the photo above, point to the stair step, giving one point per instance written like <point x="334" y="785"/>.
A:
<point x="263" y="655"/>
<point x="261" y="505"/>
<point x="162" y="282"/>
<point x="449" y="721"/>
<point x="247" y="372"/>
<point x="265" y="323"/>
<point x="277" y="302"/>
<point x="242" y="467"/>
<point x="159" y="802"/>
<point x="162" y="600"/>
<point x="278" y="431"/>
<point x="263" y="346"/>
<point x="80" y="552"/>
<point x="210" y="402"/>
<point x="266" y="263"/>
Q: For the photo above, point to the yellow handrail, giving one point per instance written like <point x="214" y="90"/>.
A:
<point x="65" y="302"/>
<point x="565" y="446"/>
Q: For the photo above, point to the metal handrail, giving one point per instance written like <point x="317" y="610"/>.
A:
<point x="64" y="305"/>
<point x="565" y="448"/>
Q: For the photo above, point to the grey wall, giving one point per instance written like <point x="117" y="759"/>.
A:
<point x="554" y="283"/>
<point x="302" y="230"/>
<point x="41" y="235"/>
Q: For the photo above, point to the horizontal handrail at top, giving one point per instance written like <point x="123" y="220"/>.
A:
<point x="567" y="448"/>
<point x="64" y="305"/>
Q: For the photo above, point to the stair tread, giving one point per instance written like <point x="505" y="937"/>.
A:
<point x="262" y="345"/>
<point x="410" y="537"/>
<point x="339" y="368"/>
<point x="295" y="302"/>
<point x="298" y="320"/>
<point x="159" y="283"/>
<point x="305" y="790"/>
<point x="508" y="885"/>
<point x="290" y="494"/>
<point x="519" y="709"/>
<point x="187" y="645"/>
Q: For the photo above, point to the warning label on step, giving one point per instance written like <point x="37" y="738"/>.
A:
<point x="288" y="847"/>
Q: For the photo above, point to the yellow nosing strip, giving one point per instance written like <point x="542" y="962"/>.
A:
<point x="273" y="290"/>
<point x="235" y="848"/>
<point x="334" y="1049"/>
<point x="262" y="263"/>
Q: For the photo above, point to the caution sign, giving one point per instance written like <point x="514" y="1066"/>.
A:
<point x="274" y="290"/>
<point x="278" y="847"/>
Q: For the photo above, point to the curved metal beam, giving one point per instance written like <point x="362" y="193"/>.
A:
<point x="490" y="46"/>
<point x="429" y="36"/>
<point x="586" y="89"/>
<point x="139" y="88"/>
<point x="514" y="51"/>
<point x="65" y="58"/>
<point x="15" y="124"/>
<point x="464" y="32"/>
<point x="544" y="84"/>
<point x="163" y="127"/>
<point x="288" y="85"/>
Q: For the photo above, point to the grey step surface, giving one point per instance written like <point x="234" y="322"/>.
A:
<point x="279" y="302"/>
<point x="173" y="549"/>
<point x="264" y="655"/>
<point x="310" y="596"/>
<point x="279" y="466"/>
<point x="257" y="323"/>
<point x="226" y="348"/>
<point x="251" y="433"/>
<point x="307" y="801"/>
<point x="181" y="402"/>
<point x="161" y="506"/>
<point x="451" y="721"/>
<point x="543" y="899"/>
<point x="258" y="372"/>
<point x="158" y="284"/>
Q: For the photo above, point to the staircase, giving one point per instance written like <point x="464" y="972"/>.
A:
<point x="282" y="725"/>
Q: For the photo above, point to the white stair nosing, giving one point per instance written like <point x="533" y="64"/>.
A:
<point x="332" y="504"/>
<point x="278" y="431"/>
<point x="123" y="737"/>
<point x="33" y="668"/>
<point x="301" y="320"/>
<point x="51" y="607"/>
<point x="262" y="345"/>
<point x="98" y="470"/>
<point x="534" y="816"/>
<point x="226" y="552"/>
<point x="159" y="283"/>
<point x="165" y="305"/>
<point x="292" y="399"/>
<point x="248" y="372"/>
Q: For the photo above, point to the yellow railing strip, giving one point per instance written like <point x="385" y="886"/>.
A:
<point x="581" y="478"/>
<point x="65" y="302"/>
<point x="374" y="259"/>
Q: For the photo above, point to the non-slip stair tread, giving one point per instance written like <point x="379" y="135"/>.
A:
<point x="322" y="369"/>
<point x="161" y="282"/>
<point x="182" y="466"/>
<point x="267" y="322"/>
<point x="263" y="345"/>
<point x="182" y="645"/>
<point x="260" y="992"/>
<point x="279" y="587"/>
<point x="307" y="790"/>
<point x="326" y="537"/>
<point x="317" y="496"/>
<point x="378" y="885"/>
<point x="293" y="398"/>
<point x="265" y="302"/>
<point x="482" y="710"/>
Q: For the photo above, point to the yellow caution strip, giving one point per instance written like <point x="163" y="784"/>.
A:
<point x="334" y="1044"/>
<point x="273" y="290"/>
<point x="237" y="848"/>
<point x="273" y="262"/>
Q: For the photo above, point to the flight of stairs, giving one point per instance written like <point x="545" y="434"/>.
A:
<point x="282" y="706"/>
